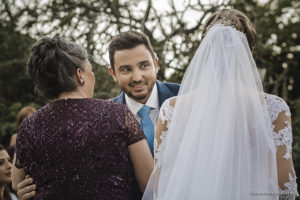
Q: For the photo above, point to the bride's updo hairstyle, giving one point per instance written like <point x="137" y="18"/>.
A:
<point x="234" y="18"/>
<point x="52" y="65"/>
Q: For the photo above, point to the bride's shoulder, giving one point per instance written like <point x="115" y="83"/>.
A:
<point x="180" y="99"/>
<point x="276" y="105"/>
<point x="272" y="97"/>
<point x="167" y="108"/>
<point x="170" y="102"/>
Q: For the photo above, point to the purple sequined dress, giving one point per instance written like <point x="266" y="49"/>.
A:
<point x="78" y="149"/>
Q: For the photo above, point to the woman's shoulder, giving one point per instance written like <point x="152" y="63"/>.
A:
<point x="91" y="104"/>
<point x="109" y="109"/>
<point x="167" y="109"/>
<point x="91" y="108"/>
<point x="276" y="105"/>
<point x="114" y="106"/>
<point x="169" y="102"/>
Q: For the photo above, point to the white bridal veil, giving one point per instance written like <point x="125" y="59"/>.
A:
<point x="219" y="143"/>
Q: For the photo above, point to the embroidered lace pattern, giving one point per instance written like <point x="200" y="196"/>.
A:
<point x="290" y="191"/>
<point x="226" y="22"/>
<point x="165" y="116"/>
<point x="282" y="137"/>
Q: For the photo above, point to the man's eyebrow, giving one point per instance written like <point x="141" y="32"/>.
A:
<point x="144" y="62"/>
<point x="124" y="66"/>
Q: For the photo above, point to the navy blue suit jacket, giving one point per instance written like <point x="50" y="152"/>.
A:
<point x="165" y="91"/>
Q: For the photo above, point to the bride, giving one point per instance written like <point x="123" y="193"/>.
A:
<point x="222" y="137"/>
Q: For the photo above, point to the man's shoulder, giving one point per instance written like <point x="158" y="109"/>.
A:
<point x="166" y="90"/>
<point x="120" y="98"/>
<point x="173" y="87"/>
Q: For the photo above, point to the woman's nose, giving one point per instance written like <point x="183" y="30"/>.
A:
<point x="8" y="165"/>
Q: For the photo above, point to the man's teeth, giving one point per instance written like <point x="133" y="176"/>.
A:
<point x="137" y="86"/>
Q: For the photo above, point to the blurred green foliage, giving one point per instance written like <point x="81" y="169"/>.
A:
<point x="16" y="90"/>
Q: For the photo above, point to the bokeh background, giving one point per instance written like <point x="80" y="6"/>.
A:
<point x="174" y="28"/>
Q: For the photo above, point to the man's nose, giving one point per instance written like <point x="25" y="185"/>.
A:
<point x="137" y="75"/>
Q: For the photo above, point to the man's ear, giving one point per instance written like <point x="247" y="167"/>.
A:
<point x="79" y="76"/>
<point x="112" y="73"/>
<point x="156" y="65"/>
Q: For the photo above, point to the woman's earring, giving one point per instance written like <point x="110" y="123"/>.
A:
<point x="82" y="83"/>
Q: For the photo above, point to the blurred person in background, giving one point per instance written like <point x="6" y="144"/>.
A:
<point x="25" y="112"/>
<point x="5" y="175"/>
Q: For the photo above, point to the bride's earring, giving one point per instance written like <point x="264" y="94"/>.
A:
<point x="82" y="83"/>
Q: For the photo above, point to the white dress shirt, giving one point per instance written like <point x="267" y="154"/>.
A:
<point x="152" y="102"/>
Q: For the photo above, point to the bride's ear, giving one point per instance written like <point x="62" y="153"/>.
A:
<point x="79" y="77"/>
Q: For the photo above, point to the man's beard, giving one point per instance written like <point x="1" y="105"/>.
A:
<point x="138" y="97"/>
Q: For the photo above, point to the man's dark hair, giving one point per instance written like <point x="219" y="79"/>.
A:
<point x="52" y="64"/>
<point x="128" y="40"/>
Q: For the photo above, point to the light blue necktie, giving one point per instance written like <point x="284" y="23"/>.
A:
<point x="147" y="126"/>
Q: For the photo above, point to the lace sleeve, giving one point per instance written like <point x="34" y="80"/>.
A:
<point x="282" y="134"/>
<point x="165" y="116"/>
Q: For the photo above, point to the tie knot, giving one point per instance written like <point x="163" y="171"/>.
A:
<point x="144" y="111"/>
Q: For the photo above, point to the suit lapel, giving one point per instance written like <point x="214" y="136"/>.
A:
<point x="163" y="92"/>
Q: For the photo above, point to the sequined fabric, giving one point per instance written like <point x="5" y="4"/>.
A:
<point x="78" y="149"/>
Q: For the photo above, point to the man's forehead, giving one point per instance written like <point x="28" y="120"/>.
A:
<point x="132" y="56"/>
<point x="140" y="49"/>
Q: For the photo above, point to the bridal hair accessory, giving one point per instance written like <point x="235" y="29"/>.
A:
<point x="226" y="22"/>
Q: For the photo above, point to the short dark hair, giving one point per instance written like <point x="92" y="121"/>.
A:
<point x="128" y="40"/>
<point x="52" y="65"/>
<point x="240" y="21"/>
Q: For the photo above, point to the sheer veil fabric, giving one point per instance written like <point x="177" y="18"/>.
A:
<point x="219" y="142"/>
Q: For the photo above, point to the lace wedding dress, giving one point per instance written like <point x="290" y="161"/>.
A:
<point x="225" y="138"/>
<point x="282" y="134"/>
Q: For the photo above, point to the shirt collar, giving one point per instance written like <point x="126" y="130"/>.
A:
<point x="152" y="101"/>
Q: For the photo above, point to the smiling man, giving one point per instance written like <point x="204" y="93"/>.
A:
<point x="134" y="68"/>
